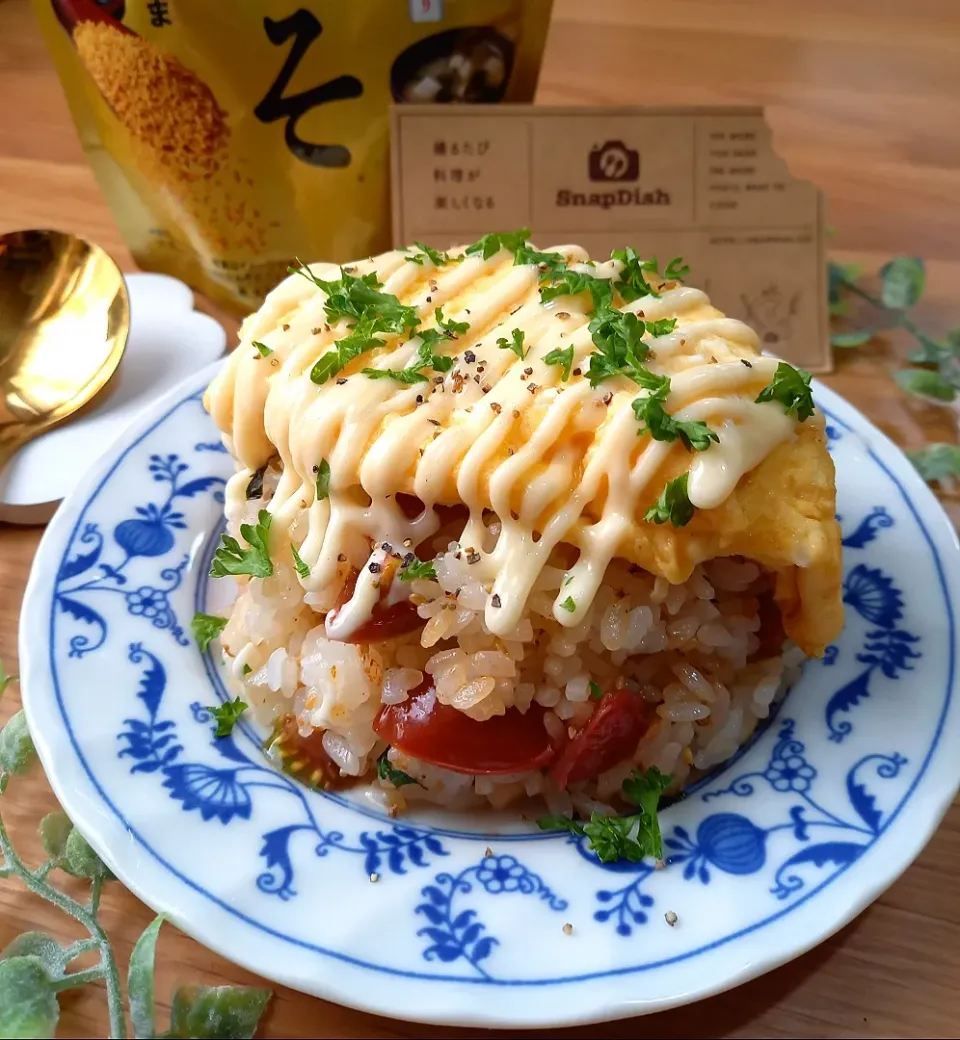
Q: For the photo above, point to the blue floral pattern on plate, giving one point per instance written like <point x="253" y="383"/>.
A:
<point x="418" y="912"/>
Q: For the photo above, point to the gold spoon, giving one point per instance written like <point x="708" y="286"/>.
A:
<point x="64" y="322"/>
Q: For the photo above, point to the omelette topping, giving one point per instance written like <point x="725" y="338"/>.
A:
<point x="596" y="405"/>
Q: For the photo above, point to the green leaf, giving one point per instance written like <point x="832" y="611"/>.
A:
<point x="225" y="715"/>
<point x="206" y="628"/>
<point x="925" y="383"/>
<point x="40" y="945"/>
<point x="569" y="604"/>
<point x="596" y="693"/>
<point x="676" y="269"/>
<point x="414" y="569"/>
<point x="644" y="791"/>
<point x="397" y="777"/>
<point x="937" y="462"/>
<point x="573" y="283"/>
<point x="610" y="838"/>
<point x="632" y="283"/>
<point x="673" y="504"/>
<point x="140" y="981"/>
<point x="790" y="387"/>
<point x="695" y="436"/>
<point x="435" y="256"/>
<point x="852" y="339"/>
<point x="230" y="558"/>
<point x="401" y="375"/>
<point x="302" y="569"/>
<point x="560" y="823"/>
<point x="17" y="752"/>
<point x="323" y="480"/>
<point x="451" y="328"/>
<point x="262" y="349"/>
<point x="55" y="828"/>
<point x="5" y="679"/>
<point x="28" y="999"/>
<point x="903" y="281"/>
<point x="209" y="1013"/>
<point x="491" y="244"/>
<point x="81" y="860"/>
<point x="515" y="343"/>
<point x="561" y="357"/>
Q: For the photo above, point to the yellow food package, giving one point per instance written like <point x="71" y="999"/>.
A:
<point x="230" y="136"/>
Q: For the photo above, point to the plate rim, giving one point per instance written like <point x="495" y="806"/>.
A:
<point x="919" y="500"/>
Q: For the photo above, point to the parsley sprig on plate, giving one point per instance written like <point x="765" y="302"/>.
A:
<point x="387" y="771"/>
<point x="673" y="504"/>
<point x="226" y="715"/>
<point x="630" y="837"/>
<point x="436" y="256"/>
<point x="649" y="410"/>
<point x="413" y="569"/>
<point x="232" y="558"/>
<point x="426" y="357"/>
<point x="206" y="628"/>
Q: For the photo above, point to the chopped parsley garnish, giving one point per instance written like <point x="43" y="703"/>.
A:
<point x="435" y="256"/>
<point x="323" y="480"/>
<point x="206" y="628"/>
<point x="262" y="348"/>
<point x="397" y="777"/>
<point x="449" y="326"/>
<point x="401" y="375"/>
<point x="790" y="387"/>
<point x="596" y="693"/>
<point x="661" y="327"/>
<point x="569" y="604"/>
<point x="225" y="715"/>
<point x="425" y="358"/>
<point x="515" y="343"/>
<point x="247" y="669"/>
<point x="370" y="312"/>
<point x="490" y="245"/>
<point x="551" y="265"/>
<point x="561" y="357"/>
<point x="662" y="426"/>
<point x="418" y="569"/>
<point x="673" y="504"/>
<point x="631" y="284"/>
<point x="630" y="837"/>
<point x="302" y="569"/>
<point x="573" y="283"/>
<point x="255" y="560"/>
<point x="676" y="269"/>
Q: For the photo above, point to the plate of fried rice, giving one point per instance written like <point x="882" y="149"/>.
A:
<point x="499" y="638"/>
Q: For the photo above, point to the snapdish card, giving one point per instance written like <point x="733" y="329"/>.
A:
<point x="703" y="183"/>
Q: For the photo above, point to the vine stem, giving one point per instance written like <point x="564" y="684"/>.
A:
<point x="107" y="968"/>
<point x="901" y="318"/>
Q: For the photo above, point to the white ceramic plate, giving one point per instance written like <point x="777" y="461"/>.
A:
<point x="464" y="922"/>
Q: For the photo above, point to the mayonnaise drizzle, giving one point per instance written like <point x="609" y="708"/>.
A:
<point x="558" y="462"/>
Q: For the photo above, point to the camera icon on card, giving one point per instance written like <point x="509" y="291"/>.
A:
<point x="613" y="161"/>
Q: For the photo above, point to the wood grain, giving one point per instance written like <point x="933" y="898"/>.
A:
<point x="864" y="99"/>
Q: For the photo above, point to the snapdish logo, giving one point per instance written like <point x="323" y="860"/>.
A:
<point x="613" y="163"/>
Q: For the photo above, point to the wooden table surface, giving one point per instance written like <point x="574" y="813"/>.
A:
<point x="864" y="99"/>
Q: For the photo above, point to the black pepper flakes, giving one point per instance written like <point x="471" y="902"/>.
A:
<point x="528" y="371"/>
<point x="486" y="388"/>
<point x="326" y="327"/>
<point x="514" y="515"/>
<point x="469" y="357"/>
<point x="743" y="361"/>
<point x="434" y="422"/>
<point x="286" y="328"/>
<point x="341" y="558"/>
<point x="374" y="567"/>
<point x="316" y="331"/>
<point x="516" y="413"/>
<point x="419" y="398"/>
<point x="533" y="388"/>
<point x="429" y="299"/>
<point x="562" y="315"/>
<point x="341" y="381"/>
<point x="578" y="372"/>
<point x="496" y="407"/>
<point x="608" y="397"/>
<point x="473" y="557"/>
<point x="494" y="600"/>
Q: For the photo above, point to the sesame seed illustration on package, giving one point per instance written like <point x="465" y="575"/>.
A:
<point x="230" y="138"/>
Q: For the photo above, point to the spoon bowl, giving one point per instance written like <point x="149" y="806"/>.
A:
<point x="64" y="322"/>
